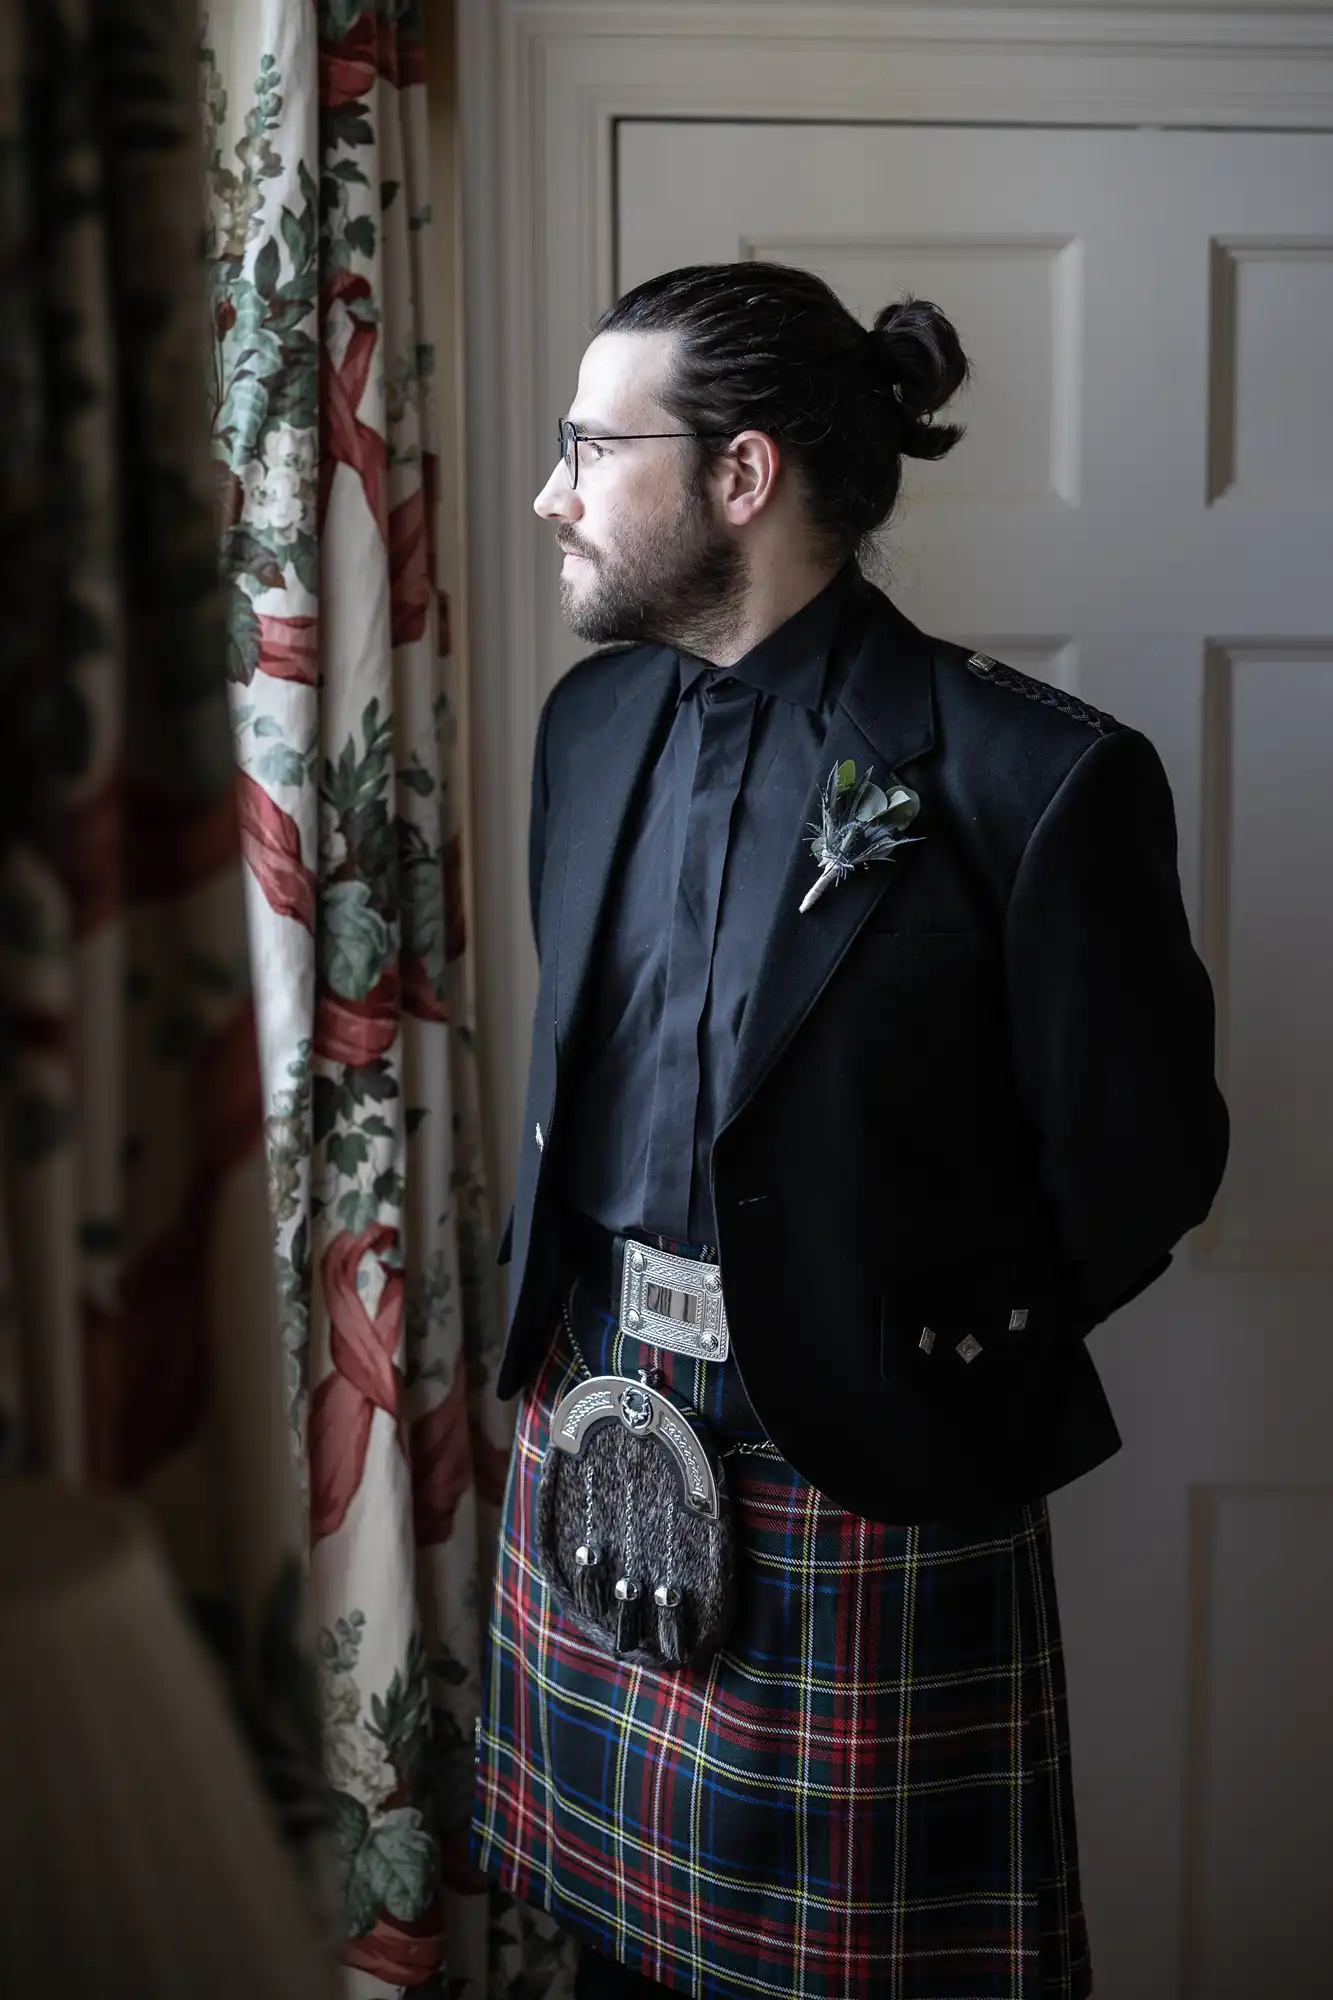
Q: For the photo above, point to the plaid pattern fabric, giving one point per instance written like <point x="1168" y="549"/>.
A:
<point x="867" y="1792"/>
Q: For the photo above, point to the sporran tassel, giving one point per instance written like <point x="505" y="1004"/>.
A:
<point x="592" y="1582"/>
<point x="629" y="1615"/>
<point x="628" y="1595"/>
<point x="670" y="1610"/>
<point x="591" y="1585"/>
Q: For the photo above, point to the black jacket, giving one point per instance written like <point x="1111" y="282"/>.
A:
<point x="974" y="1088"/>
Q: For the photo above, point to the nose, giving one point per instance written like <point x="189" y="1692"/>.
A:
<point x="557" y="500"/>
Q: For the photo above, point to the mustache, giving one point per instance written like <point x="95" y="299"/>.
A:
<point x="571" y="546"/>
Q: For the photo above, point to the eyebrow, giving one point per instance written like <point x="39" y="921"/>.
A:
<point x="591" y="430"/>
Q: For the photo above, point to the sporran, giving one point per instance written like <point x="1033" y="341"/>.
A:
<point x="633" y="1530"/>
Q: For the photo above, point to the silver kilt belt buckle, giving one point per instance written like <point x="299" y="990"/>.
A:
<point x="673" y="1302"/>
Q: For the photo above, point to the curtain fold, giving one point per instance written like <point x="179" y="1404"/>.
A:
<point x="324" y="442"/>
<point x="139" y="1328"/>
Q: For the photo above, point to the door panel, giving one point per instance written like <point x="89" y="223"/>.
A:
<point x="1142" y="511"/>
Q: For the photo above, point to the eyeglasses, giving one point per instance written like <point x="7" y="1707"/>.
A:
<point x="570" y="439"/>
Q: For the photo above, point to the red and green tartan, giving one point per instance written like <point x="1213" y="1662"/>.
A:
<point x="866" y="1793"/>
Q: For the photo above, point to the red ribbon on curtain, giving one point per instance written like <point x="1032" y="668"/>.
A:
<point x="407" y="529"/>
<point x="289" y="648"/>
<point x="401" y="1954"/>
<point x="346" y="440"/>
<point x="357" y="1031"/>
<point x="271" y="844"/>
<point x="364" y="1378"/>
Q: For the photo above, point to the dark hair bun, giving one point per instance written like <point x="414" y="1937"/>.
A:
<point x="926" y="365"/>
<point x="769" y="347"/>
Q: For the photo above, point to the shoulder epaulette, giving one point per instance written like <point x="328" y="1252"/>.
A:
<point x="1014" y="682"/>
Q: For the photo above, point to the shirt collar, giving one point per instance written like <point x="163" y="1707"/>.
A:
<point x="793" y="660"/>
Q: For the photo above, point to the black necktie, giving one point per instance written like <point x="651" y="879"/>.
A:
<point x="728" y="711"/>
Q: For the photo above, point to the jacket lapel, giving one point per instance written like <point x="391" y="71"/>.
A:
<point x="607" y="767"/>
<point x="884" y="719"/>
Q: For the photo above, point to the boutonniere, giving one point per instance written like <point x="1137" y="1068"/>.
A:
<point x="857" y="822"/>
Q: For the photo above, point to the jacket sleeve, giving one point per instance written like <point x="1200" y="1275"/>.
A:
<point x="1112" y="1025"/>
<point x="541" y="800"/>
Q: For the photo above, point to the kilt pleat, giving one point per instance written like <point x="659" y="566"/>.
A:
<point x="866" y="1792"/>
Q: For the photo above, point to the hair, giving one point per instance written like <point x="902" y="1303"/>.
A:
<point x="771" y="348"/>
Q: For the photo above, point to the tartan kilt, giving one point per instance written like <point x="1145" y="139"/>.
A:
<point x="866" y="1792"/>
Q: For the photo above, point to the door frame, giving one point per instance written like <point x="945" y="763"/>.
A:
<point x="542" y="86"/>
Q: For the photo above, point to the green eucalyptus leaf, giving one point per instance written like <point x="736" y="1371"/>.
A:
<point x="421" y="904"/>
<point x="846" y="775"/>
<point x="242" y="415"/>
<point x="262" y="353"/>
<point x="361" y="1896"/>
<point x="298" y="233"/>
<point x="243" y="635"/>
<point x="281" y="765"/>
<point x="870" y="802"/>
<point x="351" y="1824"/>
<point x="267" y="265"/>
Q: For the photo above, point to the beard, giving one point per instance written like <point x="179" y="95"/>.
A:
<point x="682" y="585"/>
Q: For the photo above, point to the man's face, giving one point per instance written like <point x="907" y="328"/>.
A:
<point x="646" y="555"/>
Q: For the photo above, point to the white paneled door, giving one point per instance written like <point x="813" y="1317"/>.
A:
<point x="1143" y="511"/>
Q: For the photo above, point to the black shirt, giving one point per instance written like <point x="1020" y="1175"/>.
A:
<point x="703" y="860"/>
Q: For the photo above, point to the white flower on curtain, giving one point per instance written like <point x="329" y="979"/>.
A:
<point x="279" y="491"/>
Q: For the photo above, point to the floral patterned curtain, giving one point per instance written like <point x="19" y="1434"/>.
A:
<point x="138" y="1338"/>
<point x="324" y="437"/>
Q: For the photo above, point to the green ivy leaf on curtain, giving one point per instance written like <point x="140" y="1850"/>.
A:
<point x="398" y="1863"/>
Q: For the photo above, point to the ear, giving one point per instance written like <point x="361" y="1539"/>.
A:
<point x="746" y="479"/>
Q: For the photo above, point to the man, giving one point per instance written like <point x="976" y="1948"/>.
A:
<point x="917" y="1134"/>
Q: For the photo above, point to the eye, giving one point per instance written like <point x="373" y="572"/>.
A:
<point x="592" y="445"/>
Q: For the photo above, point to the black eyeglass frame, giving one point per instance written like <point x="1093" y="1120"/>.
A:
<point x="567" y="435"/>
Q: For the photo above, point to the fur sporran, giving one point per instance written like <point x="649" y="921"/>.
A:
<point x="634" y="1531"/>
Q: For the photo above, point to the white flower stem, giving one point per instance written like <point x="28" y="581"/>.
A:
<point x="812" y="895"/>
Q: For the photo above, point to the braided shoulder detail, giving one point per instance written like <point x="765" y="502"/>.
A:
<point x="1015" y="682"/>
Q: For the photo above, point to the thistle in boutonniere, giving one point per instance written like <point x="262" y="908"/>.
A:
<point x="857" y="822"/>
